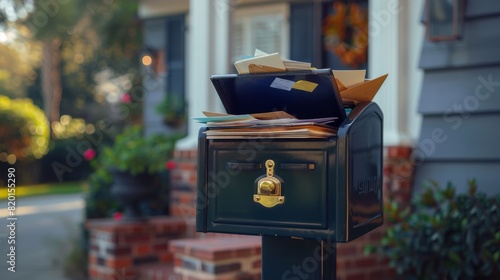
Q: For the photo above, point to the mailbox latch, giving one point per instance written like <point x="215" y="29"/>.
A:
<point x="269" y="188"/>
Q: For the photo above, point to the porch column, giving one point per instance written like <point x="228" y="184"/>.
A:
<point x="207" y="54"/>
<point x="395" y="39"/>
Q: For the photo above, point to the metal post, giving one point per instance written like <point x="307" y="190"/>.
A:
<point x="298" y="259"/>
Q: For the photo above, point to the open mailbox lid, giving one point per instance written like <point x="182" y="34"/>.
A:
<point x="303" y="94"/>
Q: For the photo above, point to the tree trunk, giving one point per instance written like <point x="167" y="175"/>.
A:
<point x="51" y="78"/>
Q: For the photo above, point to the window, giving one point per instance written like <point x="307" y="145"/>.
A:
<point x="264" y="27"/>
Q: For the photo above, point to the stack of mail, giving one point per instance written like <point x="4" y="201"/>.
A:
<point x="265" y="125"/>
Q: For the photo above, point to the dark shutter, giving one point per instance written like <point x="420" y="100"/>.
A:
<point x="301" y="32"/>
<point x="176" y="58"/>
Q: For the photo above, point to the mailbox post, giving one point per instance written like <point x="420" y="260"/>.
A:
<point x="301" y="195"/>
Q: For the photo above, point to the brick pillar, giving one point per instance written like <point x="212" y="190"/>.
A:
<point x="118" y="249"/>
<point x="229" y="258"/>
<point x="398" y="174"/>
<point x="183" y="188"/>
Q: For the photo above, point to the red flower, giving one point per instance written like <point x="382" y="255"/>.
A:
<point x="126" y="98"/>
<point x="169" y="165"/>
<point x="117" y="216"/>
<point x="89" y="154"/>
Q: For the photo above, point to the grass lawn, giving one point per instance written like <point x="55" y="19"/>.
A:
<point x="43" y="189"/>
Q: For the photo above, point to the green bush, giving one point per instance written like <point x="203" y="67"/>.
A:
<point x="24" y="130"/>
<point x="444" y="235"/>
<point x="131" y="152"/>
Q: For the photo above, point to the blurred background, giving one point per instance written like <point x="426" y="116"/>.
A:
<point x="70" y="81"/>
<point x="91" y="85"/>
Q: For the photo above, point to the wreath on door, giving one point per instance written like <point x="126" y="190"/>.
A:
<point x="345" y="33"/>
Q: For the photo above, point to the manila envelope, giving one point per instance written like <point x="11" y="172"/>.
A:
<point x="363" y="92"/>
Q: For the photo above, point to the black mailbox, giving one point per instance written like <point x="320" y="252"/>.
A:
<point x="328" y="188"/>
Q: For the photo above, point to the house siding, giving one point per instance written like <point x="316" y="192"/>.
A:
<point x="460" y="105"/>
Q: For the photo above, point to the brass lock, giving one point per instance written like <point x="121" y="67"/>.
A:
<point x="269" y="188"/>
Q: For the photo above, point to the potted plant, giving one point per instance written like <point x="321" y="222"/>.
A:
<point x="444" y="235"/>
<point x="131" y="167"/>
<point x="173" y="110"/>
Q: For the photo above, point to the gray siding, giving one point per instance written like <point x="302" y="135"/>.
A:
<point x="480" y="46"/>
<point x="460" y="173"/>
<point x="467" y="137"/>
<point x="472" y="89"/>
<point x="460" y="104"/>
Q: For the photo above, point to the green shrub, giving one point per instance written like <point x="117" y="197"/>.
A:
<point x="24" y="130"/>
<point x="131" y="152"/>
<point x="444" y="235"/>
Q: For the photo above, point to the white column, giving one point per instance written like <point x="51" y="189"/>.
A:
<point x="416" y="35"/>
<point x="394" y="48"/>
<point x="207" y="54"/>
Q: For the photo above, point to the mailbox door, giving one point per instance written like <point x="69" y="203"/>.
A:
<point x="235" y="168"/>
<point x="359" y="197"/>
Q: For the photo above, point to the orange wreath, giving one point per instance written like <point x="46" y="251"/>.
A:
<point x="345" y="33"/>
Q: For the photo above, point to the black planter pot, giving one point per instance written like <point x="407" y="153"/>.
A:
<point x="131" y="190"/>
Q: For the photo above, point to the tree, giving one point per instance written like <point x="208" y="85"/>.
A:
<point x="16" y="68"/>
<point x="60" y="18"/>
<point x="80" y="39"/>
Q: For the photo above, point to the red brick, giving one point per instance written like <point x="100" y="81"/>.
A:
<point x="244" y="252"/>
<point x="193" y="154"/>
<point x="123" y="273"/>
<point x="365" y="261"/>
<point x="177" y="262"/>
<point x="186" y="198"/>
<point x="350" y="265"/>
<point x="119" y="263"/>
<point x="135" y="238"/>
<point x="377" y="274"/>
<point x="355" y="276"/>
<point x="93" y="273"/>
<point x="375" y="236"/>
<point x="348" y="249"/>
<point x="399" y="151"/>
<point x="119" y="251"/>
<point x="92" y="259"/>
<point x="166" y="257"/>
<point x="215" y="248"/>
<point x="189" y="166"/>
<point x="258" y="250"/>
<point x="257" y="264"/>
<point x="161" y="247"/>
<point x="183" y="210"/>
<point x="178" y="249"/>
<point x="142" y="249"/>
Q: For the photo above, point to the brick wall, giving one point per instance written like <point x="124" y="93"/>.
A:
<point x="230" y="258"/>
<point x="183" y="188"/>
<point x="119" y="249"/>
<point x="352" y="264"/>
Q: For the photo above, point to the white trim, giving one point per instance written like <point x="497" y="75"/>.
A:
<point x="207" y="54"/>
<point x="394" y="47"/>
